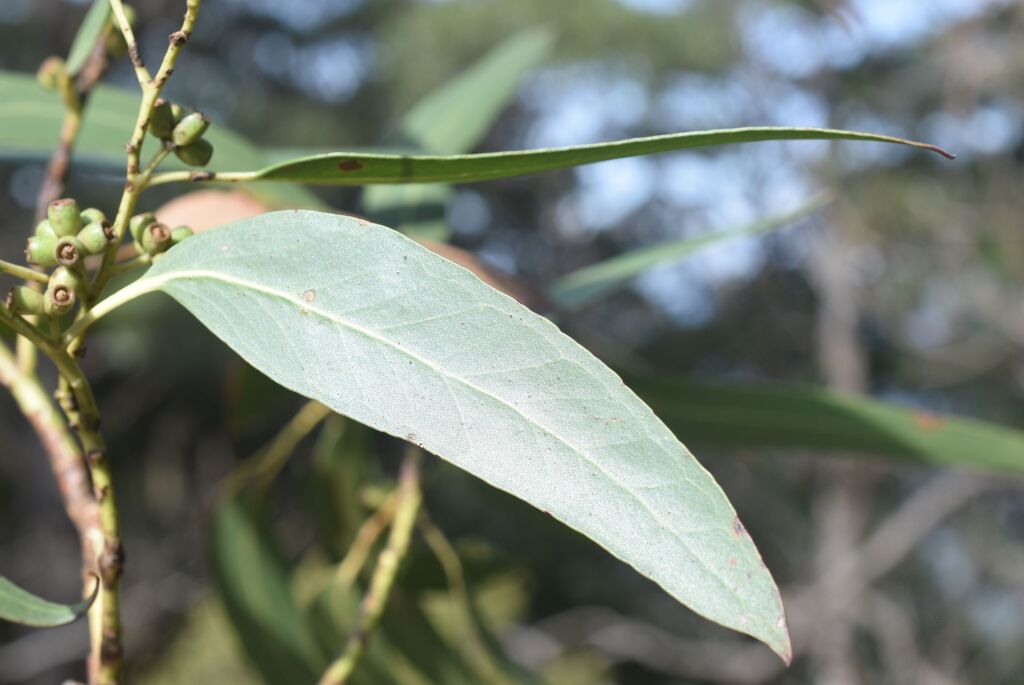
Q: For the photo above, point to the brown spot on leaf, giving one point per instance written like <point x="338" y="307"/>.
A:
<point x="309" y="295"/>
<point x="737" y="528"/>
<point x="733" y="562"/>
<point x="350" y="165"/>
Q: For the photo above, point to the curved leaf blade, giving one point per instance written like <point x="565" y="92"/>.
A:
<point x="89" y="33"/>
<point x="342" y="168"/>
<point x="395" y="337"/>
<point x="749" y="415"/>
<point x="20" y="606"/>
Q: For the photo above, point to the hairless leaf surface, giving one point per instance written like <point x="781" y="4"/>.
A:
<point x="382" y="330"/>
<point x="21" y="606"/>
<point x="344" y="168"/>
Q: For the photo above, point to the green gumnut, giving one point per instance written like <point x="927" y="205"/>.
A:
<point x="44" y="229"/>
<point x="93" y="216"/>
<point x="64" y="217"/>
<point x="24" y="300"/>
<point x="178" y="111"/>
<point x="41" y="250"/>
<point x="58" y="300"/>
<point x="96" y="237"/>
<point x="156" y="238"/>
<point x="180" y="233"/>
<point x="198" y="153"/>
<point x="161" y="124"/>
<point x="139" y="222"/>
<point x="70" y="251"/>
<point x="190" y="129"/>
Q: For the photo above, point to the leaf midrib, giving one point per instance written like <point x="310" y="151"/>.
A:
<point x="157" y="282"/>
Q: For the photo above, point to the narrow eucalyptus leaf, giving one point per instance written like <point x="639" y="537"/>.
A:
<point x="748" y="415"/>
<point x="453" y="119"/>
<point x="21" y="606"/>
<point x="89" y="33"/>
<point x="583" y="286"/>
<point x="384" y="331"/>
<point x="343" y="168"/>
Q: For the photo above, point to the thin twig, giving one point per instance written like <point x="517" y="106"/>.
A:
<point x="362" y="546"/>
<point x="263" y="468"/>
<point x="23" y="272"/>
<point x="372" y="606"/>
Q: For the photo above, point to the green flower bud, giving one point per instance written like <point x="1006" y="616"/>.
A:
<point x="96" y="237"/>
<point x="198" y="153"/>
<point x="161" y="124"/>
<point x="70" y="251"/>
<point x="24" y="300"/>
<point x="178" y="111"/>
<point x="64" y="217"/>
<point x="93" y="216"/>
<point x="45" y="229"/>
<point x="156" y="238"/>
<point x="190" y="129"/>
<point x="180" y="233"/>
<point x="41" y="250"/>
<point x="58" y="300"/>
<point x="139" y="222"/>
<point x="50" y="73"/>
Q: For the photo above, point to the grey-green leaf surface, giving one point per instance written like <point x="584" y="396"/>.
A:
<point x="451" y="120"/>
<point x="342" y="168"/>
<point x="20" y="606"/>
<point x="762" y="416"/>
<point x="583" y="286"/>
<point x="89" y="33"/>
<point x="384" y="331"/>
<point x="31" y="118"/>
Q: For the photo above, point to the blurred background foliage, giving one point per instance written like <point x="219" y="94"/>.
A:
<point x="906" y="287"/>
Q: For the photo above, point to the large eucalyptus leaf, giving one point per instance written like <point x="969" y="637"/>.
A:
<point x="763" y="416"/>
<point x="382" y="330"/>
<point x="351" y="168"/>
<point x="20" y="606"/>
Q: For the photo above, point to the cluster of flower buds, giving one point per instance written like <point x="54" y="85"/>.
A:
<point x="67" y="236"/>
<point x="63" y="240"/>
<point x="183" y="131"/>
<point x="152" y="237"/>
